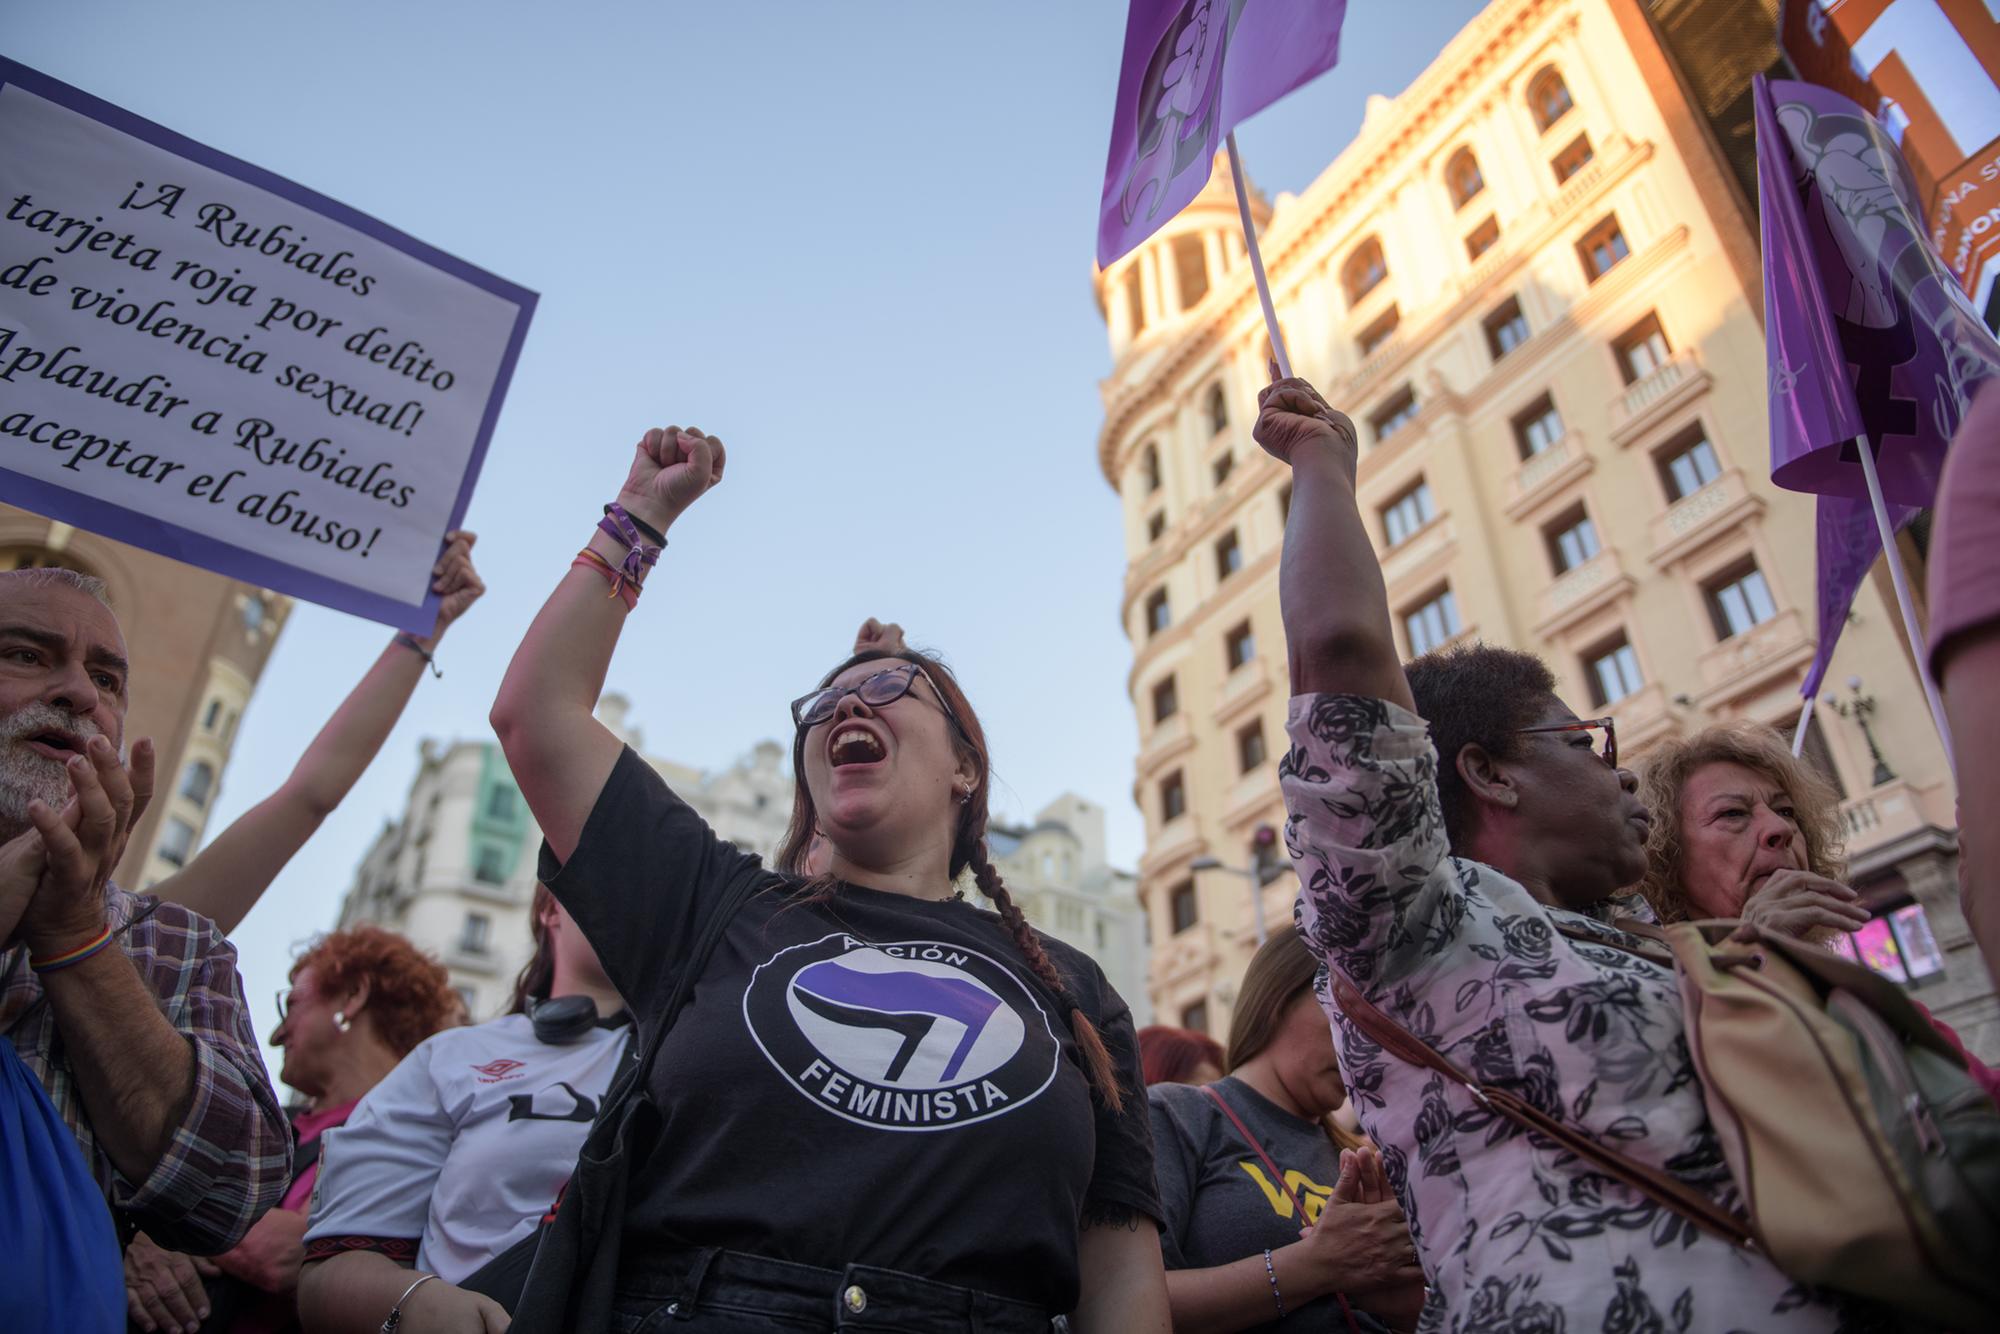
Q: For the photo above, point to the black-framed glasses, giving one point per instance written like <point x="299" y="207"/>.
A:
<point x="884" y="687"/>
<point x="1610" y="751"/>
<point x="284" y="1002"/>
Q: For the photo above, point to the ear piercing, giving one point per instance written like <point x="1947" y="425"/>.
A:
<point x="341" y="1021"/>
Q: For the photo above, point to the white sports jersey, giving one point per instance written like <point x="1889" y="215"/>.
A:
<point x="464" y="1146"/>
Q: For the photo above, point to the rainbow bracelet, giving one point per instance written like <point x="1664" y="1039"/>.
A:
<point x="71" y="958"/>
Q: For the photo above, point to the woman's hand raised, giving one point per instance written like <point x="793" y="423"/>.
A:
<point x="1291" y="416"/>
<point x="671" y="469"/>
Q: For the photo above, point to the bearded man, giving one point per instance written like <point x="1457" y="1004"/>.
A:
<point x="128" y="1010"/>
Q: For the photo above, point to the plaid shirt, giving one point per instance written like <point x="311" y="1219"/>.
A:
<point x="230" y="1159"/>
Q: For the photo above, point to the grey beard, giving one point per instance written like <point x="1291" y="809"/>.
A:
<point x="27" y="777"/>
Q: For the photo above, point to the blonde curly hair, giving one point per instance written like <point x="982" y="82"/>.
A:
<point x="1759" y="749"/>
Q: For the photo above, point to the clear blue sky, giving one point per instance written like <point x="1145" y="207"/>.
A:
<point x="853" y="240"/>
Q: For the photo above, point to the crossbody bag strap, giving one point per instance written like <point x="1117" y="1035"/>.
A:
<point x="1298" y="1204"/>
<point x="1649" y="1181"/>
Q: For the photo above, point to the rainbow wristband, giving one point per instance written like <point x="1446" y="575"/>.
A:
<point x="71" y="958"/>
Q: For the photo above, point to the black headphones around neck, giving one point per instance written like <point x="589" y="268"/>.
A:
<point x="562" y="1020"/>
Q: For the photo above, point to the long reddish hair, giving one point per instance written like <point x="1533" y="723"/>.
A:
<point x="1170" y="1055"/>
<point x="968" y="851"/>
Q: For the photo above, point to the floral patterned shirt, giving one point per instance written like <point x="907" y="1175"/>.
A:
<point x="1516" y="1236"/>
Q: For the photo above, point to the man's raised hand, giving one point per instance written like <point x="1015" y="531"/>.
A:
<point x="1292" y="416"/>
<point x="671" y="469"/>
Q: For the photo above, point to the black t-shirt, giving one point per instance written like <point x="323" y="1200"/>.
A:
<point x="872" y="1079"/>
<point x="1221" y="1204"/>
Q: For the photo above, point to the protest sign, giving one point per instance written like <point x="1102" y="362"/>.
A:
<point x="217" y="364"/>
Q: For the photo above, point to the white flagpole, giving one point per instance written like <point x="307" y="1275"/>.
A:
<point x="1805" y="721"/>
<point x="1901" y="580"/>
<point x="1278" y="352"/>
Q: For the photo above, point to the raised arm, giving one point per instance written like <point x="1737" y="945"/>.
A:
<point x="544" y="715"/>
<point x="1330" y="591"/>
<point x="225" y="881"/>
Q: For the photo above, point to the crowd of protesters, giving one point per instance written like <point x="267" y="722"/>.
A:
<point x="837" y="1092"/>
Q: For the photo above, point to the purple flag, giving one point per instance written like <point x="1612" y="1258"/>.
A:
<point x="1848" y="545"/>
<point x="1867" y="331"/>
<point x="1194" y="70"/>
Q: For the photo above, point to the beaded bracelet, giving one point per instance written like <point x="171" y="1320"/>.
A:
<point x="1271" y="1272"/>
<point x="71" y="958"/>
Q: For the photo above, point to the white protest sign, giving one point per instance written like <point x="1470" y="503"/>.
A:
<point x="214" y="363"/>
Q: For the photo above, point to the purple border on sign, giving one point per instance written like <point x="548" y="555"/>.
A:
<point x="184" y="544"/>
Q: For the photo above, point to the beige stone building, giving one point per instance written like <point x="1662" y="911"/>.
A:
<point x="197" y="641"/>
<point x="1532" y="279"/>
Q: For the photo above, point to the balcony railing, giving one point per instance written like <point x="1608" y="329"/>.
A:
<point x="1700" y="515"/>
<point x="1575" y="590"/>
<point x="1743" y="662"/>
<point x="1418" y="550"/>
<point x="1657" y="394"/>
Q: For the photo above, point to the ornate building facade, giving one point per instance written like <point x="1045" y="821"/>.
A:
<point x="197" y="641"/>
<point x="1533" y="281"/>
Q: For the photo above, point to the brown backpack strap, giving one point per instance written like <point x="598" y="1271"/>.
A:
<point x="1649" y="1181"/>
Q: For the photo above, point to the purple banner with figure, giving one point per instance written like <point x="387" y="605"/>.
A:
<point x="1848" y="543"/>
<point x="209" y="361"/>
<point x="1867" y="331"/>
<point x="1194" y="70"/>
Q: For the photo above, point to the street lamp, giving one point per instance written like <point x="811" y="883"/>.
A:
<point x="1264" y="841"/>
<point x="1859" y="709"/>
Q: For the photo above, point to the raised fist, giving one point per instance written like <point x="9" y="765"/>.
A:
<point x="1292" y="416"/>
<point x="671" y="469"/>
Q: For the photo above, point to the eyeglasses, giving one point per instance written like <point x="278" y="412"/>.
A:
<point x="885" y="687"/>
<point x="1610" y="751"/>
<point x="284" y="1002"/>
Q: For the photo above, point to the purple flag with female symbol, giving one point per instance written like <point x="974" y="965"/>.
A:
<point x="1867" y="333"/>
<point x="1195" y="69"/>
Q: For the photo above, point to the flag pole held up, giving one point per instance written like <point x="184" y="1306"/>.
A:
<point x="1278" y="351"/>
<point x="1900" y="578"/>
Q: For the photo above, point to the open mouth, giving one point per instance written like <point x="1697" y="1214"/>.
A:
<point x="54" y="745"/>
<point x="855" y="745"/>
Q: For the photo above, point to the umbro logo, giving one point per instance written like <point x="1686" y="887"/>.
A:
<point x="504" y="1067"/>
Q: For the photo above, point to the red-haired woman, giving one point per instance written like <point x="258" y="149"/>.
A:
<point x="455" y="1157"/>
<point x="884" y="1104"/>
<point x="359" y="1001"/>
<point x="1178" y="1056"/>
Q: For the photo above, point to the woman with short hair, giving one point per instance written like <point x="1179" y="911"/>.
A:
<point x="1178" y="1056"/>
<point x="1277" y="1219"/>
<point x="910" y="1111"/>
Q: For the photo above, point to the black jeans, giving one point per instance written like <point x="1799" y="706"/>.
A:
<point x="712" y="1291"/>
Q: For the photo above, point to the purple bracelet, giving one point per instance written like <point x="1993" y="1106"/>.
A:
<point x="640" y="554"/>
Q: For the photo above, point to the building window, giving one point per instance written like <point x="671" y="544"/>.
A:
<point x="1614" y="672"/>
<point x="1194" y="1017"/>
<point x="1364" y="271"/>
<point x="1156" y="526"/>
<point x="1149" y="467"/>
<point x="1537" y="427"/>
<point x="1482" y="238"/>
<point x="1239" y="646"/>
<point x="1250" y="747"/>
<point x="1166" y="700"/>
<point x="1572" y="159"/>
<point x="1378" y="331"/>
<point x="1394" y="415"/>
<point x="1641" y="349"/>
<point x="211" y="715"/>
<point x="176" y="842"/>
<point x="1191" y="268"/>
<point x="1173" y="798"/>
<point x="1158" y="616"/>
<point x="1462" y="178"/>
<point x="1228" y="555"/>
<point x="1183" y="906"/>
<point x="1506" y="328"/>
<point x="1135" y="302"/>
<point x="1548" y="99"/>
<point x="1432" y="624"/>
<point x="197" y="781"/>
<point x="1218" y="410"/>
<point x="1410" y="511"/>
<point x="489" y="865"/>
<point x="1601" y="248"/>
<point x="1688" y="464"/>
<point x="500" y="802"/>
<point x="475" y="937"/>
<point x="1572" y="540"/>
<point x="1899" y="945"/>
<point x="1739" y="600"/>
<point x="1222" y="467"/>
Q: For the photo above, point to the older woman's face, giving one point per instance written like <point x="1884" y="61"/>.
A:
<point x="1737" y="827"/>
<point x="884" y="779"/>
<point x="306" y="1035"/>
